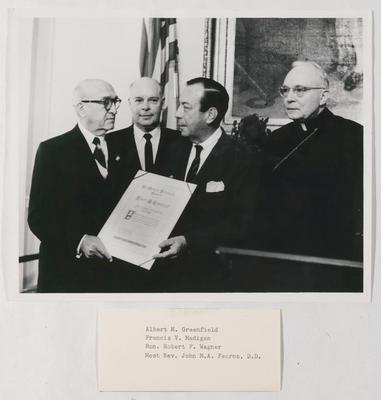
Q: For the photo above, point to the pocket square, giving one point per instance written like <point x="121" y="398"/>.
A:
<point x="117" y="158"/>
<point x="213" y="187"/>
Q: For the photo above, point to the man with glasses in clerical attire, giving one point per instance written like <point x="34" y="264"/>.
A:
<point x="71" y="196"/>
<point x="312" y="181"/>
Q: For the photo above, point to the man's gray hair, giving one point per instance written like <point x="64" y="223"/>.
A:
<point x="318" y="68"/>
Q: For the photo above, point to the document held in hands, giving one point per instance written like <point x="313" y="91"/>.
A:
<point x="145" y="216"/>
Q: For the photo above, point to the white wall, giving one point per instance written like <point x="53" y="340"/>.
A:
<point x="190" y="34"/>
<point x="108" y="49"/>
<point x="21" y="33"/>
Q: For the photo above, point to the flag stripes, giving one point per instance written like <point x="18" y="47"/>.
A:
<point x="162" y="65"/>
<point x="149" y="45"/>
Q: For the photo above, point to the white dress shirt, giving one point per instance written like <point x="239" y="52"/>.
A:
<point x="207" y="147"/>
<point x="140" y="142"/>
<point x="89" y="139"/>
<point x="103" y="171"/>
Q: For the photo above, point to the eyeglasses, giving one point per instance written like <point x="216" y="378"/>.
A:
<point x="298" y="90"/>
<point x="107" y="102"/>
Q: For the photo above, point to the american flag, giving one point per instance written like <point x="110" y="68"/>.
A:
<point x="158" y="59"/>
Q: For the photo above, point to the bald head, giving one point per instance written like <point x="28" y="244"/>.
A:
<point x="312" y="70"/>
<point x="88" y="96"/>
<point x="145" y="83"/>
<point x="146" y="102"/>
<point x="88" y="88"/>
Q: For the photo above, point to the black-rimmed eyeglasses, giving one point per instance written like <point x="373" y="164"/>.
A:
<point x="298" y="90"/>
<point x="107" y="102"/>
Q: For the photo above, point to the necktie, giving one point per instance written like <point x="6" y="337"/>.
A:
<point x="148" y="153"/>
<point x="195" y="164"/>
<point x="98" y="153"/>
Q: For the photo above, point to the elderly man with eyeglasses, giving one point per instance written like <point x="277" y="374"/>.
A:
<point x="312" y="180"/>
<point x="71" y="196"/>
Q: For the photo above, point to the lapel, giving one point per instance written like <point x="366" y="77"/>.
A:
<point x="80" y="157"/>
<point x="162" y="155"/>
<point x="183" y="157"/>
<point x="123" y="154"/>
<point x="172" y="154"/>
<point x="214" y="160"/>
<point x="131" y="149"/>
<point x="163" y="143"/>
<point x="163" y="160"/>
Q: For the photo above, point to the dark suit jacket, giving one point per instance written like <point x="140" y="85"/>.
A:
<point x="220" y="217"/>
<point x="69" y="198"/>
<point x="212" y="218"/>
<point x="123" y="164"/>
<point x="312" y="202"/>
<point x="126" y="161"/>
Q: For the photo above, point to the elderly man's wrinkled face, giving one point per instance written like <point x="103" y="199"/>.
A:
<point x="99" y="117"/>
<point x="304" y="93"/>
<point x="146" y="103"/>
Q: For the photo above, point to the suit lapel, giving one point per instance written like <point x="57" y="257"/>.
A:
<point x="131" y="149"/>
<point x="81" y="158"/>
<point x="213" y="159"/>
<point x="163" y="142"/>
<point x="183" y="157"/>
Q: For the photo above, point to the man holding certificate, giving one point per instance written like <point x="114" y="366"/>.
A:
<point x="71" y="196"/>
<point x="221" y="207"/>
<point x="148" y="202"/>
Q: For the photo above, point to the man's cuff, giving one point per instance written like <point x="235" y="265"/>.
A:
<point x="79" y="253"/>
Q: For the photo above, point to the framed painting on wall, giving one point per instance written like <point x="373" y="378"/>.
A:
<point x="251" y="57"/>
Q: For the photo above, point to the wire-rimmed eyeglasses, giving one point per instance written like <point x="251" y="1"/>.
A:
<point x="298" y="90"/>
<point x="107" y="102"/>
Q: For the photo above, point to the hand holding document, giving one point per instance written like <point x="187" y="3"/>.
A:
<point x="173" y="246"/>
<point x="144" y="217"/>
<point x="92" y="247"/>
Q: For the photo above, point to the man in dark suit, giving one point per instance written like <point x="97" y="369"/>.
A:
<point x="312" y="181"/>
<point x="221" y="207"/>
<point x="71" y="196"/>
<point x="145" y="144"/>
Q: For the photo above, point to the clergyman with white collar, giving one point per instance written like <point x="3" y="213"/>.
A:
<point x="312" y="181"/>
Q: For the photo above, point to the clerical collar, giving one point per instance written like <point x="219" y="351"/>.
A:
<point x="315" y="122"/>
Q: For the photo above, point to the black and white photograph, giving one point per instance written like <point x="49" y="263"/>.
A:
<point x="189" y="200"/>
<point x="265" y="116"/>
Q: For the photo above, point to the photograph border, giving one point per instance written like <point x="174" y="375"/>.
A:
<point x="11" y="145"/>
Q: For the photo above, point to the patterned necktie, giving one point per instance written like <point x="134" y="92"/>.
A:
<point x="195" y="165"/>
<point x="148" y="153"/>
<point x="98" y="153"/>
